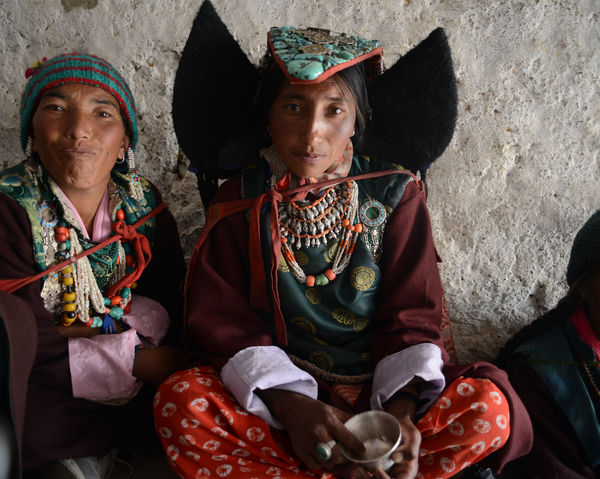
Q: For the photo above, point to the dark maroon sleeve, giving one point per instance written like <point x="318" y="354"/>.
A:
<point x="162" y="280"/>
<point x="219" y="319"/>
<point x="410" y="307"/>
<point x="556" y="450"/>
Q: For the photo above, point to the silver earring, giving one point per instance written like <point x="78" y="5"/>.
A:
<point x="353" y="131"/>
<point x="31" y="164"/>
<point x="135" y="187"/>
<point x="120" y="161"/>
<point x="268" y="130"/>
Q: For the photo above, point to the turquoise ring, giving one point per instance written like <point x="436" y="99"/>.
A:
<point x="324" y="449"/>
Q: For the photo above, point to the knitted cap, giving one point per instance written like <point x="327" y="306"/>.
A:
<point x="76" y="68"/>
<point x="586" y="249"/>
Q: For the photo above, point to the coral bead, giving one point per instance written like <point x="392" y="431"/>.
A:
<point x="89" y="322"/>
<point x="330" y="275"/>
<point x="70" y="307"/>
<point x="358" y="227"/>
<point x="310" y="281"/>
<point x="69" y="297"/>
<point x="127" y="309"/>
<point x="120" y="215"/>
<point x="345" y="222"/>
<point x="62" y="230"/>
<point x="115" y="300"/>
<point x="129" y="260"/>
<point x="61" y="237"/>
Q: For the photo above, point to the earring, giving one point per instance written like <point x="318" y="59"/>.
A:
<point x="353" y="131"/>
<point x="135" y="187"/>
<point x="30" y="165"/>
<point x="120" y="161"/>
<point x="268" y="130"/>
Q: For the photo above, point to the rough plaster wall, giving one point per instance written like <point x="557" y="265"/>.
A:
<point x="517" y="182"/>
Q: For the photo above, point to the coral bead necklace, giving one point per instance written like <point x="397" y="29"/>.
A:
<point x="81" y="294"/>
<point x="317" y="223"/>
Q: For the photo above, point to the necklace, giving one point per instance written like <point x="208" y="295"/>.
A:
<point x="81" y="294"/>
<point x="331" y="216"/>
<point x="588" y="373"/>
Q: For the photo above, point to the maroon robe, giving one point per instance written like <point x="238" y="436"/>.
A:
<point x="56" y="425"/>
<point x="220" y="321"/>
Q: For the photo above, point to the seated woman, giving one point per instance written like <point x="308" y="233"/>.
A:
<point x="553" y="364"/>
<point x="87" y="243"/>
<point x="316" y="295"/>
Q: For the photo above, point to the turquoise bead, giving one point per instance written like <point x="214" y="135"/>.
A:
<point x="97" y="322"/>
<point x="305" y="70"/>
<point x="321" y="280"/>
<point x="279" y="45"/>
<point x="62" y="246"/>
<point x="311" y="57"/>
<point x="129" y="269"/>
<point x="106" y="302"/>
<point x="116" y="313"/>
<point x="125" y="293"/>
<point x="345" y="55"/>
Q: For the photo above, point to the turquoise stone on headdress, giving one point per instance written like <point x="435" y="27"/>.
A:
<point x="311" y="55"/>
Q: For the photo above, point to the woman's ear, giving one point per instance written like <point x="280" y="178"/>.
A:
<point x="121" y="155"/>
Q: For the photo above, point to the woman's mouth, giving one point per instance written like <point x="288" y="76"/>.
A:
<point x="78" y="152"/>
<point x="310" y="157"/>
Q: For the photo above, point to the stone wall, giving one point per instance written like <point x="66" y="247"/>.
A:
<point x="517" y="182"/>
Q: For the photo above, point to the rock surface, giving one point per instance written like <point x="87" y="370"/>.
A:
<point x="506" y="199"/>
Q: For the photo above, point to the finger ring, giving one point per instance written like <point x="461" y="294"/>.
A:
<point x="324" y="449"/>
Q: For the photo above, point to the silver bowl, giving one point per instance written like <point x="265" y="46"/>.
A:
<point x="380" y="432"/>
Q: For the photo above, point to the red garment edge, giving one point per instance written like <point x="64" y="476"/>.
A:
<point x="258" y="291"/>
<point x="142" y="249"/>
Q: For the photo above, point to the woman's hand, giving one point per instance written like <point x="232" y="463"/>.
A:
<point x="407" y="455"/>
<point x="77" y="330"/>
<point x="156" y="364"/>
<point x="309" y="422"/>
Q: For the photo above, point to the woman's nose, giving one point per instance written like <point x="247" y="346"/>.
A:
<point x="79" y="125"/>
<point x="313" y="129"/>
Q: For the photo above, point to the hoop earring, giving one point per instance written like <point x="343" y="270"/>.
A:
<point x="353" y="132"/>
<point x="120" y="161"/>
<point x="268" y="130"/>
<point x="135" y="187"/>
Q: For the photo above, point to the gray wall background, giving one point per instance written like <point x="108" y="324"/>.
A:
<point x="506" y="199"/>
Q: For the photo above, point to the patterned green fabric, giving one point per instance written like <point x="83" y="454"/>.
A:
<point x="16" y="183"/>
<point x="552" y="355"/>
<point x="330" y="326"/>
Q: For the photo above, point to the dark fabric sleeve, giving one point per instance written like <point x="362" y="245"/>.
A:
<point x="219" y="320"/>
<point x="162" y="280"/>
<point x="556" y="450"/>
<point x="19" y="336"/>
<point x="410" y="301"/>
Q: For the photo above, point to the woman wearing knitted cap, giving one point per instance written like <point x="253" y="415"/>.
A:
<point x="314" y="291"/>
<point x="87" y="243"/>
<point x="554" y="366"/>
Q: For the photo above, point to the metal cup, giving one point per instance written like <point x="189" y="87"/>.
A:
<point x="380" y="432"/>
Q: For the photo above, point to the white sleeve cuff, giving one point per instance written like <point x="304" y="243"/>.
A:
<point x="392" y="373"/>
<point x="264" y="367"/>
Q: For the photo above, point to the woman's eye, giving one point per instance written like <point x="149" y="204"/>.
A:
<point x="336" y="111"/>
<point x="53" y="107"/>
<point x="104" y="114"/>
<point x="293" y="107"/>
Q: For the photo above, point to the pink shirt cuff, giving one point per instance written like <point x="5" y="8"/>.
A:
<point x="101" y="366"/>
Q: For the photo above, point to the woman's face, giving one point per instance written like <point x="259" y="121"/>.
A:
<point x="310" y="125"/>
<point x="78" y="133"/>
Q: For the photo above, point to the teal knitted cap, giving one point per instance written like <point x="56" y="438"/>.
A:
<point x="76" y="68"/>
<point x="585" y="252"/>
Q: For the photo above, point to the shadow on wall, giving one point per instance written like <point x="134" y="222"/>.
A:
<point x="69" y="5"/>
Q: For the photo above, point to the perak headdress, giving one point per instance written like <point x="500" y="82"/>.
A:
<point x="414" y="102"/>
